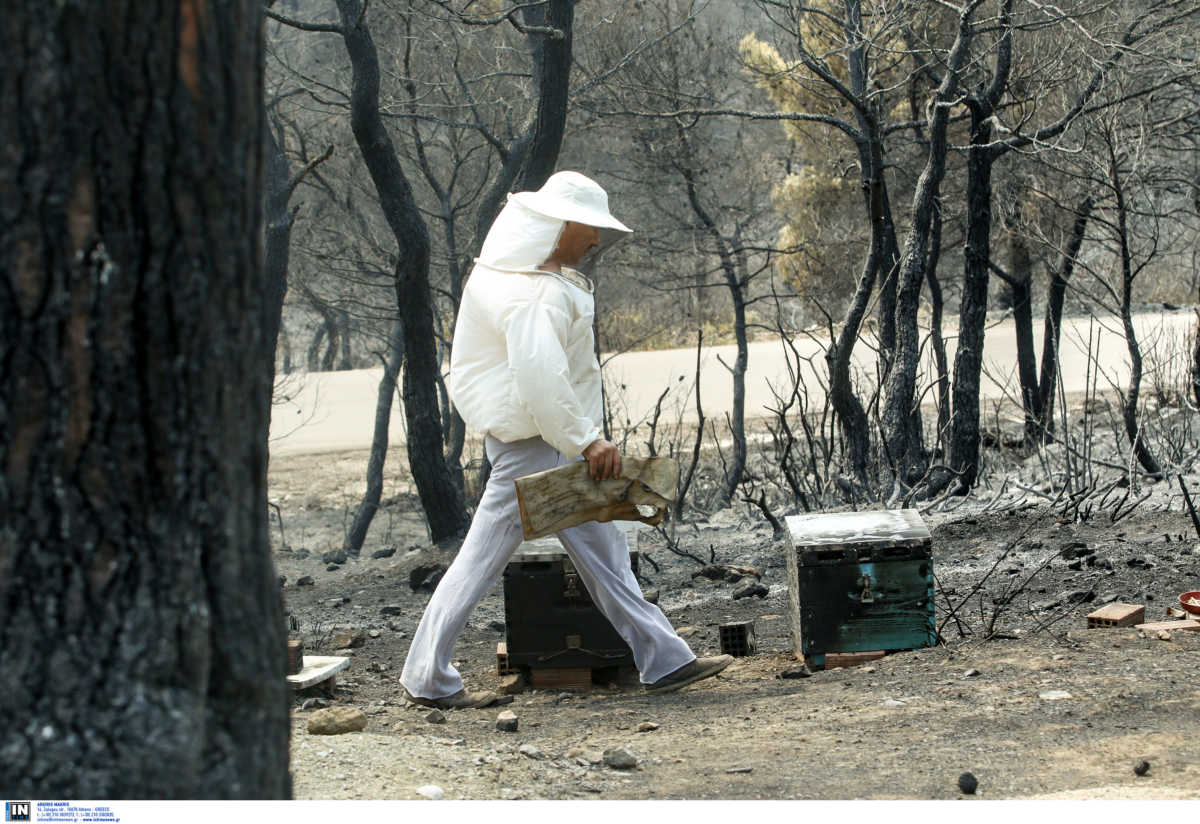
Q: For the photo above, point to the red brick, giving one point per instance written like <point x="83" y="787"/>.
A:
<point x="834" y="660"/>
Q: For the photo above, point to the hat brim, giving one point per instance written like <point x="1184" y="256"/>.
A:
<point x="562" y="209"/>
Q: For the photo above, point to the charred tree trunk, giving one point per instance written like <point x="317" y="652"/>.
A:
<point x="313" y="358"/>
<point x="1054" y="310"/>
<point x="1196" y="360"/>
<point x="972" y="313"/>
<point x="851" y="415"/>
<point x="904" y="448"/>
<point x="277" y="237"/>
<point x="729" y="269"/>
<point x="441" y="500"/>
<point x="1137" y="440"/>
<point x="141" y="627"/>
<point x="532" y="157"/>
<point x="938" y="342"/>
<point x="379" y="443"/>
<point x="1021" y="287"/>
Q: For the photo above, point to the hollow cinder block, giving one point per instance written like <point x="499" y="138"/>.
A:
<point x="1117" y="615"/>
<point x="737" y="639"/>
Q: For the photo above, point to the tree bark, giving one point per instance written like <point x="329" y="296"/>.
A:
<point x="1020" y="268"/>
<point x="532" y="157"/>
<point x="445" y="511"/>
<point x="277" y="237"/>
<point x="1054" y="309"/>
<point x="972" y="312"/>
<point x="1137" y="440"/>
<point x="729" y="269"/>
<point x="904" y="448"/>
<point x="937" y="340"/>
<point x="972" y="315"/>
<point x="369" y="505"/>
<point x="141" y="626"/>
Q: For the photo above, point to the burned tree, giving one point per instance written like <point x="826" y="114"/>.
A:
<point x="141" y="626"/>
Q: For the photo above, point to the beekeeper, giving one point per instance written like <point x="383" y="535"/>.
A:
<point x="524" y="374"/>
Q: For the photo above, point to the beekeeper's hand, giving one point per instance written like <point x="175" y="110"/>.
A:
<point x="604" y="460"/>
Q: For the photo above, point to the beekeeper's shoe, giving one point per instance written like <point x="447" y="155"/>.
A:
<point x="698" y="670"/>
<point x="461" y="700"/>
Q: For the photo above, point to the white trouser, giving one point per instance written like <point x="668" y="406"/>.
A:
<point x="598" y="551"/>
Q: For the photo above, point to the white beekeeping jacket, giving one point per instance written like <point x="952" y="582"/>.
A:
<point x="523" y="362"/>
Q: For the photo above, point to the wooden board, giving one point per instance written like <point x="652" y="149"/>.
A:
<point x="566" y="496"/>
<point x="317" y="668"/>
<point x="1170" y="626"/>
<point x="561" y="678"/>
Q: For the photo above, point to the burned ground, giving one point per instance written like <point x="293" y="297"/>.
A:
<point x="1020" y="693"/>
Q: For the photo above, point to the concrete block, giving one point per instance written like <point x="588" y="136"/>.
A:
<point x="1117" y="615"/>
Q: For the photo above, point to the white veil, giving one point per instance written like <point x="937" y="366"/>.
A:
<point x="520" y="239"/>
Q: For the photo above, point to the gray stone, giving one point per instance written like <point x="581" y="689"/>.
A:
<point x="435" y="716"/>
<point x="391" y="609"/>
<point x="735" y="770"/>
<point x="971" y="673"/>
<point x="336" y="720"/>
<point x="386" y="552"/>
<point x="647" y="726"/>
<point x="314" y="704"/>
<point x="750" y="590"/>
<point x="652" y="595"/>
<point x="305" y="581"/>
<point x="300" y="554"/>
<point x="796" y="672"/>
<point x="374" y="633"/>
<point x="507" y="721"/>
<point x="332" y="568"/>
<point x="334" y="556"/>
<point x="619" y="758"/>
<point x="530" y="751"/>
<point x="426" y="576"/>
<point x="347" y="639"/>
<point x="495" y="625"/>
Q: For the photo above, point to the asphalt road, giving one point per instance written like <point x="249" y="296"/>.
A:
<point x="335" y="411"/>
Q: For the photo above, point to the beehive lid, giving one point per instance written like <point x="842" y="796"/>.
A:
<point x="549" y="549"/>
<point x="887" y="527"/>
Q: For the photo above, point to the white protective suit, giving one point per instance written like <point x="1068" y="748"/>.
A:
<point x="523" y="363"/>
<point x="524" y="372"/>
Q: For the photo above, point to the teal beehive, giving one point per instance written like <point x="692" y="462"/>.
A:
<point x="859" y="581"/>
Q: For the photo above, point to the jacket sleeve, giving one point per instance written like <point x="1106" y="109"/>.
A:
<point x="536" y="334"/>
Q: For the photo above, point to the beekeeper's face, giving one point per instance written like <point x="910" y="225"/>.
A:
<point x="575" y="242"/>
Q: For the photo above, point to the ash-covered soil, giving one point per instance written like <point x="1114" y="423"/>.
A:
<point x="1020" y="694"/>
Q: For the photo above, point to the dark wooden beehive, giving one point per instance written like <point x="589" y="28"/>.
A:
<point x="550" y="620"/>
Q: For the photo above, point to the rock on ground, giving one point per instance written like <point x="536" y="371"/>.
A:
<point x="336" y="720"/>
<point x="620" y="758"/>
